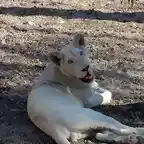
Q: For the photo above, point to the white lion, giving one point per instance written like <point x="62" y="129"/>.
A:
<point x="60" y="100"/>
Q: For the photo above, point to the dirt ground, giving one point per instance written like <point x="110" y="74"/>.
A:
<point x="30" y="29"/>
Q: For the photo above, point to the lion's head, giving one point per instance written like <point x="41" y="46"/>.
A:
<point x="74" y="61"/>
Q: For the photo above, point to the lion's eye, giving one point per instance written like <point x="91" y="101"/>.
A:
<point x="81" y="53"/>
<point x="70" y="61"/>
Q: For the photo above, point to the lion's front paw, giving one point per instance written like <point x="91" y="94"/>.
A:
<point x="107" y="97"/>
<point x="131" y="139"/>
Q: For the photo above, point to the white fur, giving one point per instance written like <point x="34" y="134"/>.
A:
<point x="57" y="104"/>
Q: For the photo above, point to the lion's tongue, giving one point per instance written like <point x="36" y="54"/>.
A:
<point x="88" y="76"/>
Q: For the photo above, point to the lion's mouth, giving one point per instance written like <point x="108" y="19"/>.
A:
<point x="88" y="78"/>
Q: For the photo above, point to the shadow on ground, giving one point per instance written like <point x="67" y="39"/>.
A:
<point x="74" y="14"/>
<point x="15" y="125"/>
<point x="130" y="114"/>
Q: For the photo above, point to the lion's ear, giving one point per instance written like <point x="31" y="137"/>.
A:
<point x="56" y="57"/>
<point x="79" y="40"/>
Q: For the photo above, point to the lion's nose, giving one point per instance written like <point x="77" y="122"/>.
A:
<point x="86" y="68"/>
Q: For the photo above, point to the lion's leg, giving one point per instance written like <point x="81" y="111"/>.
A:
<point x="100" y="97"/>
<point x="110" y="137"/>
<point x="59" y="134"/>
<point x="105" y="94"/>
<point x="56" y="131"/>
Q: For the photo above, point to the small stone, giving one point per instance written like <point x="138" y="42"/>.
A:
<point x="30" y="23"/>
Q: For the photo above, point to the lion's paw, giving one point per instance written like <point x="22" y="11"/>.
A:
<point x="131" y="139"/>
